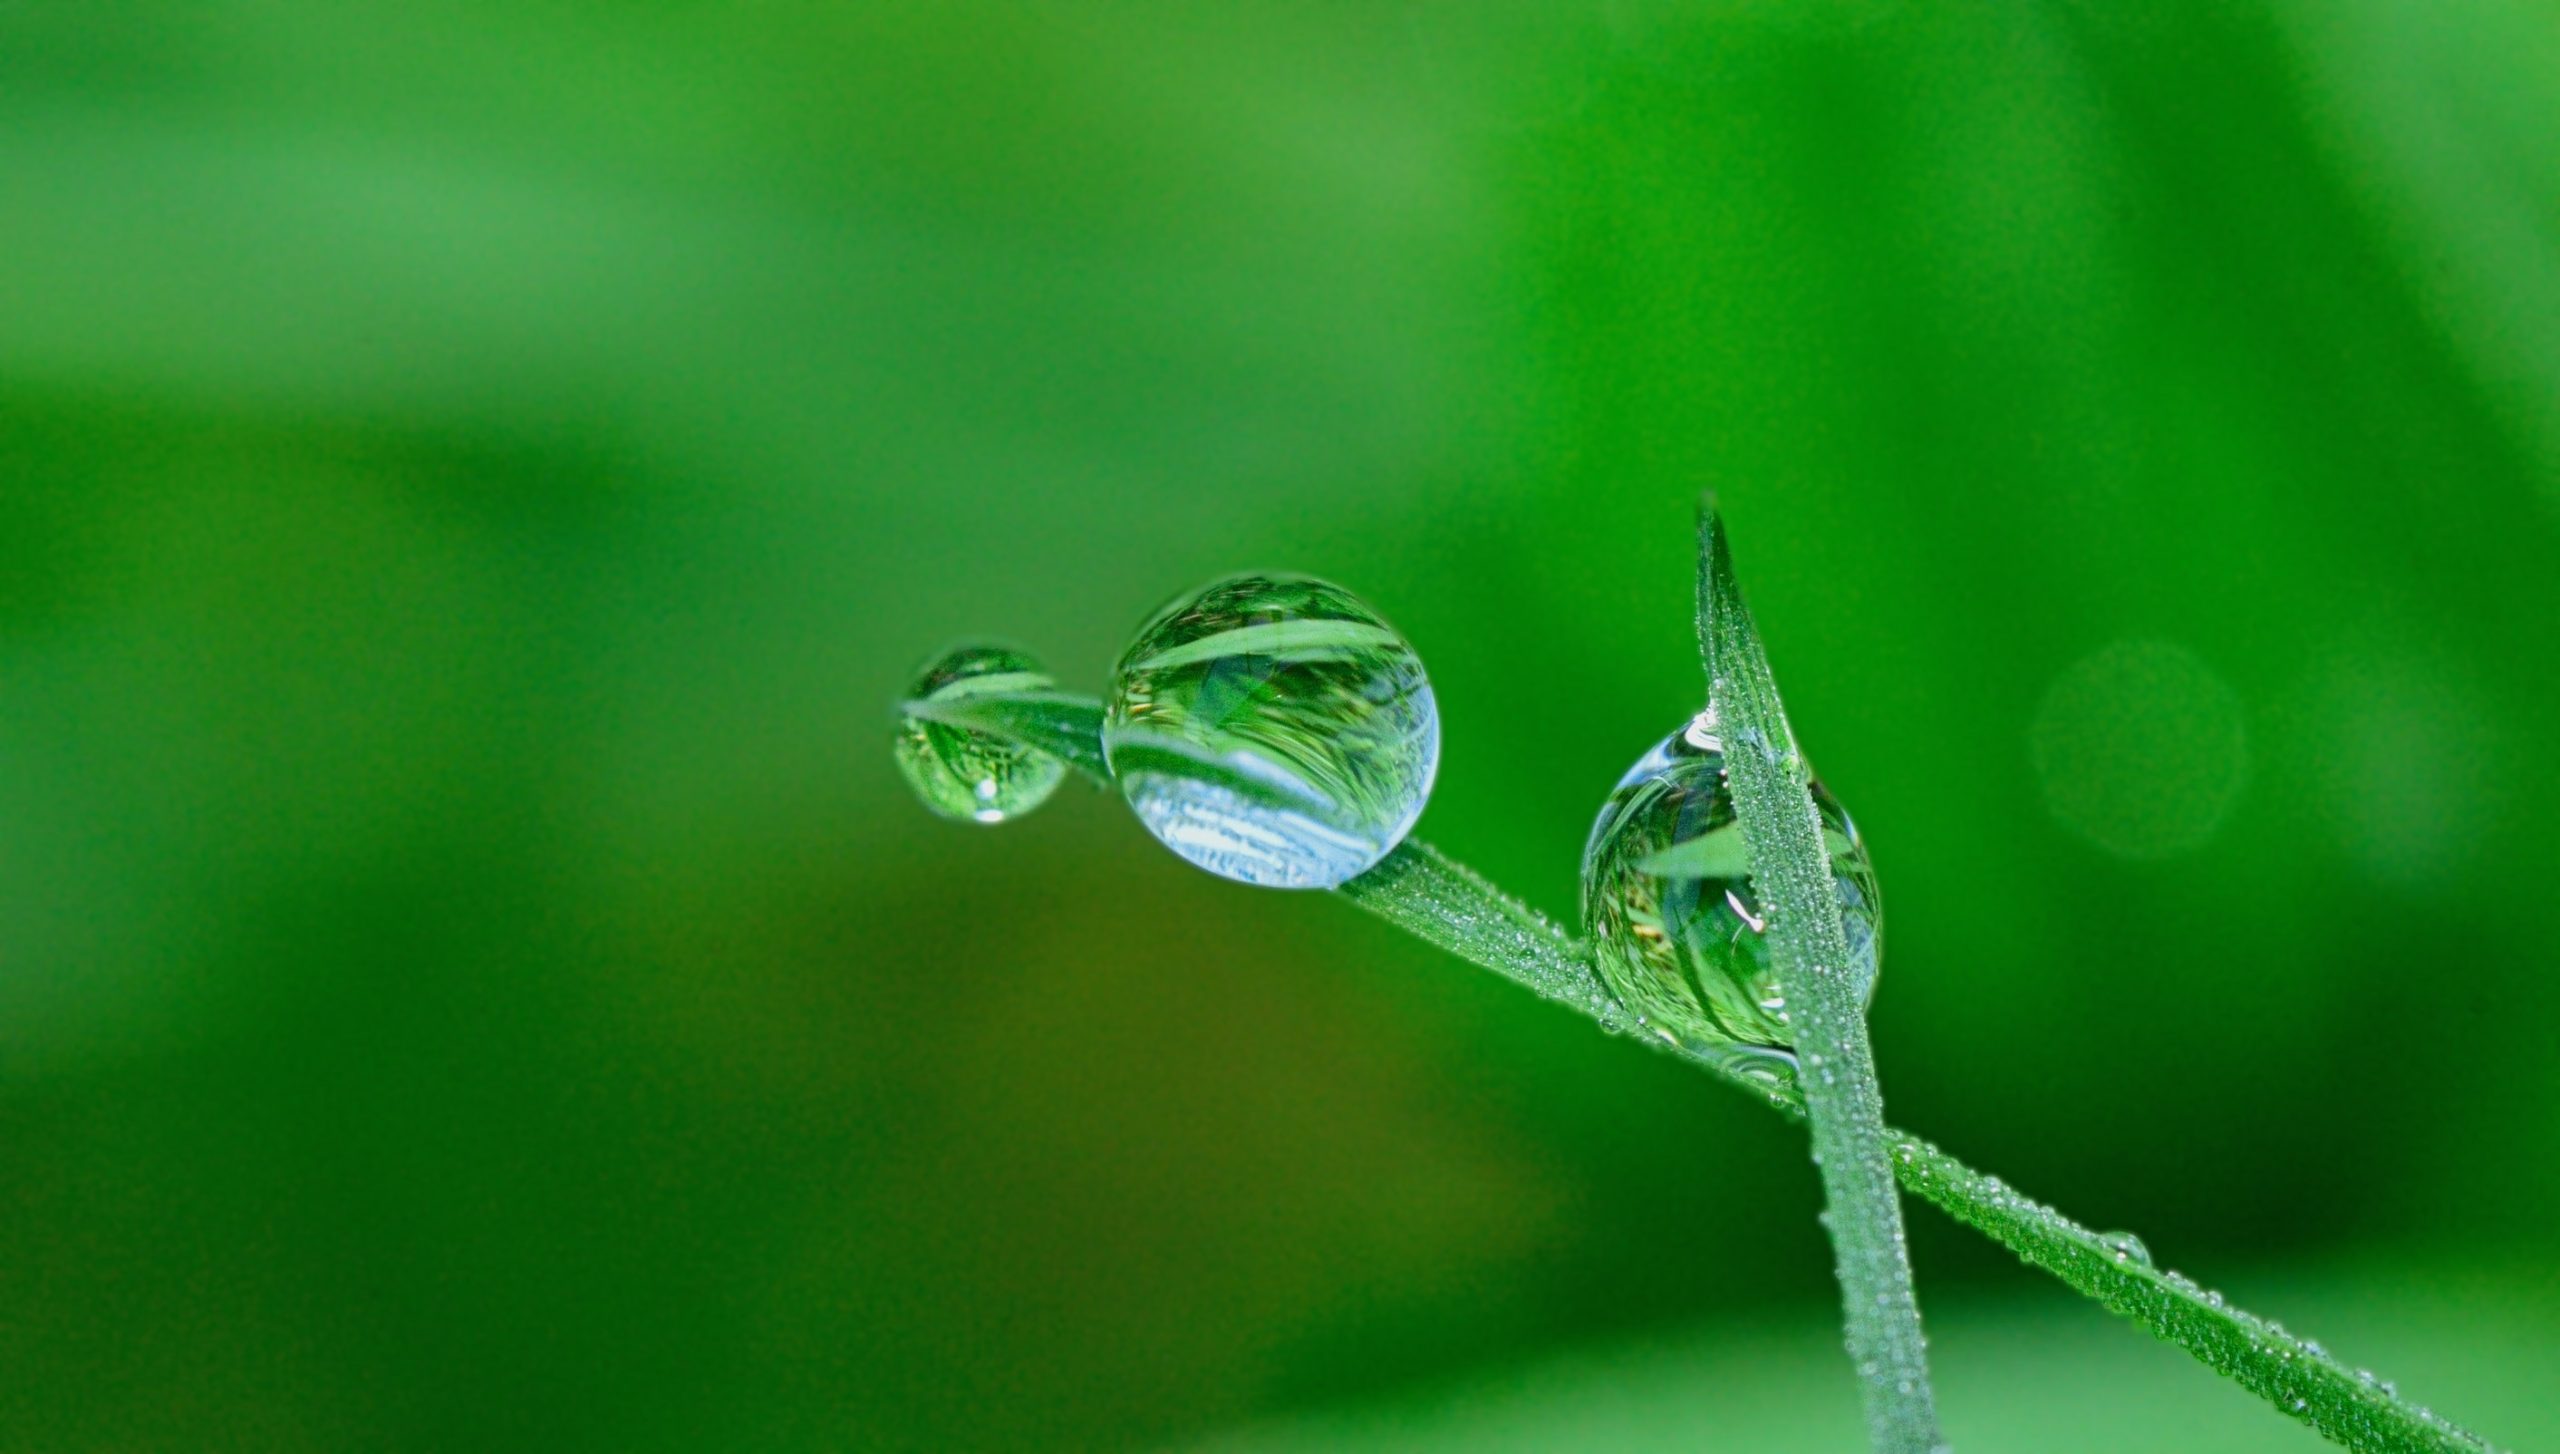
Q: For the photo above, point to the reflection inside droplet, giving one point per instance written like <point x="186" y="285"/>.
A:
<point x="1273" y="729"/>
<point x="1676" y="927"/>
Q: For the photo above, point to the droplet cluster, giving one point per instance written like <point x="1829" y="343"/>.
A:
<point x="1272" y="729"/>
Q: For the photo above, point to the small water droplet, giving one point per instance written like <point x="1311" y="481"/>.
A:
<point x="970" y="776"/>
<point x="1273" y="729"/>
<point x="2126" y="1248"/>
<point x="1676" y="930"/>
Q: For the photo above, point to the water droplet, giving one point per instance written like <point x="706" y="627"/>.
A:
<point x="1676" y="928"/>
<point x="974" y="777"/>
<point x="1274" y="730"/>
<point x="2126" y="1247"/>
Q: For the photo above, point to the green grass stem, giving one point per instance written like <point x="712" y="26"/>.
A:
<point x="1422" y="891"/>
<point x="1826" y="1009"/>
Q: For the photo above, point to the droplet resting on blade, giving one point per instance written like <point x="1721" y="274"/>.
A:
<point x="961" y="773"/>
<point x="1272" y="729"/>
<point x="1677" y="931"/>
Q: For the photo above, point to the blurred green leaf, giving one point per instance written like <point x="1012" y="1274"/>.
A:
<point x="470" y="476"/>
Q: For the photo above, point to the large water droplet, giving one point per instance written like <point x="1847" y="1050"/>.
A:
<point x="1272" y="729"/>
<point x="2126" y="1247"/>
<point x="1678" y="932"/>
<point x="976" y="777"/>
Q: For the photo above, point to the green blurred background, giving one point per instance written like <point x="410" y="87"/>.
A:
<point x="474" y="475"/>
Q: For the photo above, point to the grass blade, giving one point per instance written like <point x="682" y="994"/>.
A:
<point x="1791" y="873"/>
<point x="1422" y="891"/>
<point x="1062" y="724"/>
